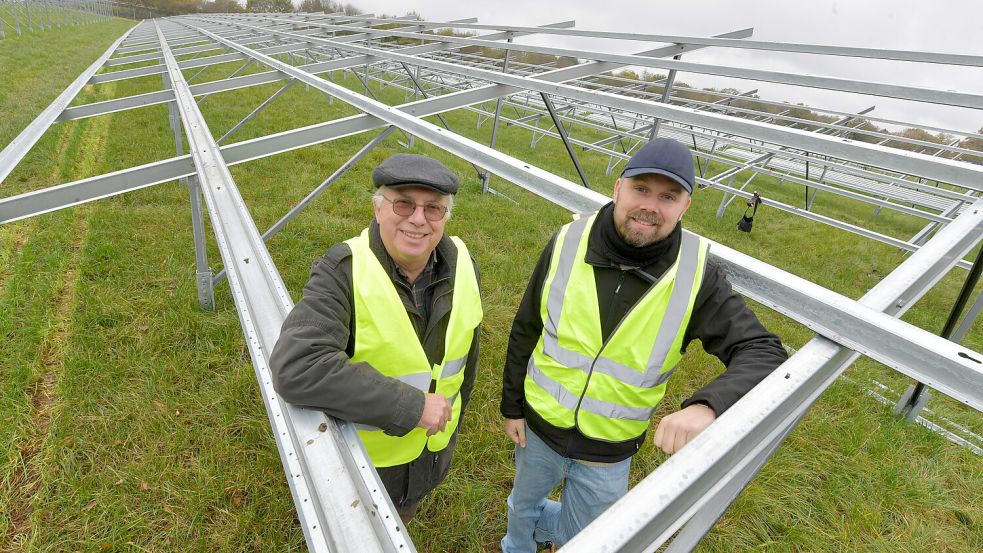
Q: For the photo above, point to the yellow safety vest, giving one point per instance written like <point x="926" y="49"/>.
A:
<point x="385" y="339"/>
<point x="608" y="390"/>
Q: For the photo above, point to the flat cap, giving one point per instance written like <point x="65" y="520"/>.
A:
<point x="415" y="170"/>
<point x="663" y="156"/>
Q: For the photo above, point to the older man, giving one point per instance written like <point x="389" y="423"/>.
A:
<point x="386" y="335"/>
<point x="612" y="304"/>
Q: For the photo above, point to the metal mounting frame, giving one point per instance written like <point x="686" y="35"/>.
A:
<point x="710" y="471"/>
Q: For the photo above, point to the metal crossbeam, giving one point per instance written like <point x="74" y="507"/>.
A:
<point x="875" y="53"/>
<point x="94" y="188"/>
<point x="943" y="170"/>
<point x="821" y="82"/>
<point x="18" y="148"/>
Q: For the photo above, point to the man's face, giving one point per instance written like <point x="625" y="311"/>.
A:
<point x="647" y="207"/>
<point x="410" y="239"/>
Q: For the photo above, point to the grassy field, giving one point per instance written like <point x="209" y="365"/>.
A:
<point x="130" y="419"/>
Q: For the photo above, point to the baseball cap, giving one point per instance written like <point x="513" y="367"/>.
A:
<point x="663" y="156"/>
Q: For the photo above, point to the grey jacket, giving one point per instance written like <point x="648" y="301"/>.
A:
<point x="311" y="362"/>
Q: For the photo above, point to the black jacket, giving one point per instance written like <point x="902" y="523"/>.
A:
<point x="311" y="362"/>
<point x="720" y="319"/>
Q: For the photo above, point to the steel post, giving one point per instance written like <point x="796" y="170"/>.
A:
<point x="203" y="273"/>
<point x="498" y="114"/>
<point x="915" y="397"/>
<point x="13" y="12"/>
<point x="566" y="141"/>
<point x="666" y="91"/>
<point x="968" y="320"/>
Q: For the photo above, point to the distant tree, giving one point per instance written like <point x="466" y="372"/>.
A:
<point x="265" y="6"/>
<point x="312" y="6"/>
<point x="171" y="7"/>
<point x="973" y="143"/>
<point x="326" y="6"/>
<point x="222" y="6"/>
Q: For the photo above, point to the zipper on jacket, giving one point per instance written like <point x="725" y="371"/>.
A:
<point x="604" y="344"/>
<point x="432" y="323"/>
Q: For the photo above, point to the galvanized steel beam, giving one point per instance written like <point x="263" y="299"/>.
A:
<point x="823" y="82"/>
<point x="876" y="53"/>
<point x="943" y="170"/>
<point x="18" y="148"/>
<point x="340" y="508"/>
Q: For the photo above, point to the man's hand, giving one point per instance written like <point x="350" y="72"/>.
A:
<point x="677" y="429"/>
<point x="516" y="429"/>
<point x="436" y="413"/>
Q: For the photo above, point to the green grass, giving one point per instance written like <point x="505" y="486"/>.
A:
<point x="151" y="434"/>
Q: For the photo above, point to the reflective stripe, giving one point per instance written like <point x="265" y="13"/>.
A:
<point x="453" y="367"/>
<point x="689" y="254"/>
<point x="649" y="379"/>
<point x="554" y="301"/>
<point x="420" y="381"/>
<point x="596" y="406"/>
<point x="682" y="288"/>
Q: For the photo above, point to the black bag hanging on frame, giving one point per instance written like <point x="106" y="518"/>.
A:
<point x="746" y="222"/>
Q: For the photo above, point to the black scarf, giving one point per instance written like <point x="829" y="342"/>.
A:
<point x="623" y="253"/>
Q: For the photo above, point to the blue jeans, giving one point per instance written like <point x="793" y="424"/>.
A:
<point x="588" y="490"/>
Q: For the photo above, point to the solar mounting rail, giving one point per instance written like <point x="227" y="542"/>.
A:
<point x="874" y="188"/>
<point x="800" y="141"/>
<point x="868" y="326"/>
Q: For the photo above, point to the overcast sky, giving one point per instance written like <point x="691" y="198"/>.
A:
<point x="951" y="26"/>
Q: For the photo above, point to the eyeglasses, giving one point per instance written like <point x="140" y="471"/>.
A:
<point x="406" y="208"/>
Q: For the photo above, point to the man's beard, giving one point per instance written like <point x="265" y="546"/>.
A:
<point x="636" y="236"/>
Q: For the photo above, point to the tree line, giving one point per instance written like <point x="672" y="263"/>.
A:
<point x="180" y="7"/>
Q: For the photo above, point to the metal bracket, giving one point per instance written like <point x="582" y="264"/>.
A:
<point x="912" y="402"/>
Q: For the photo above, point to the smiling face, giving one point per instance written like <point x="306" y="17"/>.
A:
<point x="647" y="207"/>
<point x="409" y="239"/>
